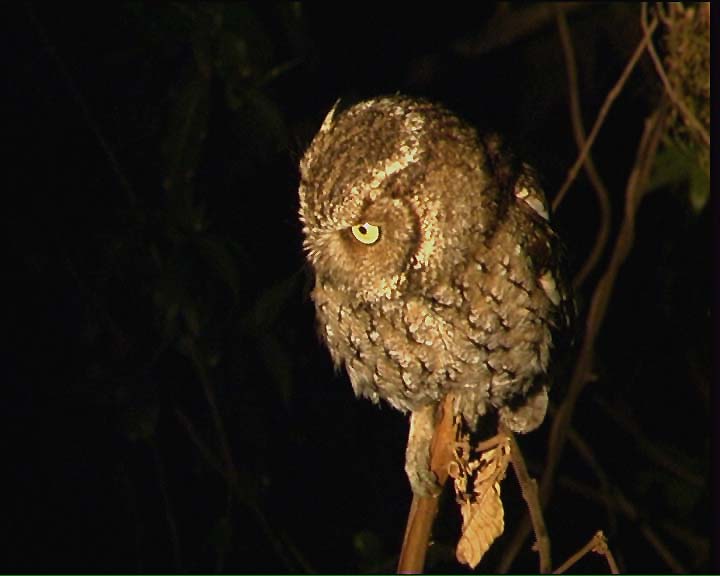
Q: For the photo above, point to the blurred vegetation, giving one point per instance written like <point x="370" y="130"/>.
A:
<point x="170" y="406"/>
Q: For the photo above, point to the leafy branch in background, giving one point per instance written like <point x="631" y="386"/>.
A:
<point x="643" y="178"/>
<point x="170" y="261"/>
<point x="231" y="51"/>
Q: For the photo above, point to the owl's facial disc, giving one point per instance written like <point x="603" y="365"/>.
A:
<point x="366" y="233"/>
<point x="371" y="256"/>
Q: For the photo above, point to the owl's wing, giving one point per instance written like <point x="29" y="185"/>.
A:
<point x="547" y="255"/>
<point x="543" y="255"/>
<point x="546" y="252"/>
<point x="527" y="190"/>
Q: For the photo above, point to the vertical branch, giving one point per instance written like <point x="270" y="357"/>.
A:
<point x="417" y="534"/>
<point x="528" y="487"/>
<point x="424" y="509"/>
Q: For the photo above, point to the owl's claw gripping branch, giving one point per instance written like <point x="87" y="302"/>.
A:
<point x="424" y="508"/>
<point x="423" y="480"/>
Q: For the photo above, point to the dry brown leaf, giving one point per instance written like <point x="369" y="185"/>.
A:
<point x="481" y="508"/>
<point x="482" y="524"/>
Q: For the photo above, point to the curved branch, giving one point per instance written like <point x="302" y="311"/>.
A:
<point x="636" y="186"/>
<point x="597" y="544"/>
<point x="601" y="191"/>
<point x="635" y="189"/>
<point x="607" y="104"/>
<point x="528" y="487"/>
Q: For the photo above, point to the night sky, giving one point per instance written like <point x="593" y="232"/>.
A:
<point x="167" y="404"/>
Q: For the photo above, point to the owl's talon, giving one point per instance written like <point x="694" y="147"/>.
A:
<point x="417" y="455"/>
<point x="424" y="483"/>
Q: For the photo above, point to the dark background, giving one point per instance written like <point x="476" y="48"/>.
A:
<point x="155" y="270"/>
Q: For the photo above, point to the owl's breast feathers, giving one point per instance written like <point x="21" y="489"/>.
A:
<point x="486" y="332"/>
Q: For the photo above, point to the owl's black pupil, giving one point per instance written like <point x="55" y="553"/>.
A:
<point x="363" y="230"/>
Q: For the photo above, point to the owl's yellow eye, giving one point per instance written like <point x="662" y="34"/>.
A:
<point x="366" y="233"/>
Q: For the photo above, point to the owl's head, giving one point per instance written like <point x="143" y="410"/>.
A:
<point x="390" y="190"/>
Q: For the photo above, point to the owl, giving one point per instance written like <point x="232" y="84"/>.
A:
<point x="436" y="268"/>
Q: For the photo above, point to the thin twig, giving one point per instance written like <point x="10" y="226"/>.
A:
<point x="424" y="509"/>
<point x="199" y="444"/>
<point x="607" y="104"/>
<point x="687" y="114"/>
<point x="620" y="502"/>
<point x="516" y="543"/>
<point x="576" y="117"/>
<point x="605" y="551"/>
<point x="635" y="189"/>
<point x="230" y="471"/>
<point x="528" y="487"/>
<point x="588" y="456"/>
<point x="200" y="369"/>
<point x="597" y="544"/>
<point x="654" y="130"/>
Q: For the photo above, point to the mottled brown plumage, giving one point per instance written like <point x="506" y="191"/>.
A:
<point x="436" y="266"/>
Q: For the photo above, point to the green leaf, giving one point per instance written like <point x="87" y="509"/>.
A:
<point x="678" y="165"/>
<point x="699" y="188"/>
<point x="671" y="168"/>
